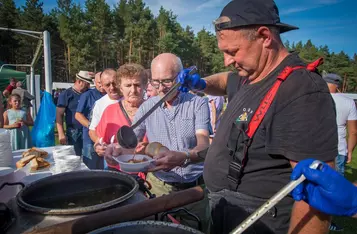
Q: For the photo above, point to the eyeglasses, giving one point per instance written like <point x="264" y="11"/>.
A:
<point x="166" y="83"/>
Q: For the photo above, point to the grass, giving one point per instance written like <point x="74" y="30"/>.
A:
<point x="349" y="224"/>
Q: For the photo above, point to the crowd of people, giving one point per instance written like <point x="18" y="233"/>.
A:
<point x="281" y="113"/>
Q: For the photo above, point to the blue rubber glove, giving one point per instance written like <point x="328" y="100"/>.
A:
<point x="325" y="189"/>
<point x="190" y="82"/>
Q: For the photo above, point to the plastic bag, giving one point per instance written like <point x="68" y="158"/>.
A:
<point x="43" y="131"/>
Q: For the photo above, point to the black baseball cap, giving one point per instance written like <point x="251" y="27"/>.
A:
<point x="242" y="13"/>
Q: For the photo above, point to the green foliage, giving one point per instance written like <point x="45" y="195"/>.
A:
<point x="94" y="36"/>
<point x="339" y="63"/>
<point x="8" y="19"/>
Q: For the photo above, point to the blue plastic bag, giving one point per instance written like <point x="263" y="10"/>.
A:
<point x="43" y="131"/>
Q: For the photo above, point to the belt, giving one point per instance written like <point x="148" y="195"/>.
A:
<point x="182" y="186"/>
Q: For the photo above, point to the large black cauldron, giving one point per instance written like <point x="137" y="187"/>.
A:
<point x="77" y="192"/>
<point x="146" y="227"/>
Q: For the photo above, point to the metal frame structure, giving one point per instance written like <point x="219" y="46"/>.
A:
<point x="44" y="39"/>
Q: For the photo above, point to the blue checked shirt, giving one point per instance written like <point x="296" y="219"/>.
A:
<point x="176" y="129"/>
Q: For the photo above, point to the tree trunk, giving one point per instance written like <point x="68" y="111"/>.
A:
<point x="69" y="62"/>
<point x="344" y="84"/>
<point x="140" y="51"/>
<point x="130" y="46"/>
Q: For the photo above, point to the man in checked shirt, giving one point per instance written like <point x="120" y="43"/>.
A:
<point x="181" y="124"/>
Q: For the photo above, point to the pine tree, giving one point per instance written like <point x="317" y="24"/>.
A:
<point x="8" y="41"/>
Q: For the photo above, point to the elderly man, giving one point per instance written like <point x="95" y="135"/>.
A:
<point x="83" y="115"/>
<point x="108" y="82"/>
<point x="67" y="104"/>
<point x="181" y="124"/>
<point x="281" y="112"/>
<point x="26" y="97"/>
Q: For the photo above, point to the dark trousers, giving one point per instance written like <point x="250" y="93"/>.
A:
<point x="91" y="158"/>
<point x="230" y="208"/>
<point x="75" y="138"/>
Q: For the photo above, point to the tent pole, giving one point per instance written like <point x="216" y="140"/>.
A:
<point x="32" y="91"/>
<point x="47" y="58"/>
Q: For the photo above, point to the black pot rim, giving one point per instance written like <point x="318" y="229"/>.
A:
<point x="146" y="223"/>
<point x="81" y="210"/>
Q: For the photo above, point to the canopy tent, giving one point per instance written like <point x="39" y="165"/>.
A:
<point x="6" y="74"/>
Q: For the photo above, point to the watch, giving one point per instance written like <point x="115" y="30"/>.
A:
<point x="187" y="160"/>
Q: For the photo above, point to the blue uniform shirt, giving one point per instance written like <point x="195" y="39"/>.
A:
<point x="85" y="106"/>
<point x="69" y="99"/>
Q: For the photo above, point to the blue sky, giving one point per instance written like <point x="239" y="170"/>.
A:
<point x="325" y="22"/>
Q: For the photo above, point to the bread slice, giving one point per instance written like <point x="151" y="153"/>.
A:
<point x="28" y="153"/>
<point x="34" y="165"/>
<point x="22" y="162"/>
<point x="43" y="153"/>
<point x="42" y="163"/>
<point x="35" y="151"/>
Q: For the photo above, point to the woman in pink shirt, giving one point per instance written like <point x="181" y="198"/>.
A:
<point x="131" y="79"/>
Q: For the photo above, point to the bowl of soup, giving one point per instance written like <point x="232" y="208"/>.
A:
<point x="137" y="163"/>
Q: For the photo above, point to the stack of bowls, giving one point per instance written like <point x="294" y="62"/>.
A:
<point x="65" y="160"/>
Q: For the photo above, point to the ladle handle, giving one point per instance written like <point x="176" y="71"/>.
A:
<point x="162" y="100"/>
<point x="273" y="201"/>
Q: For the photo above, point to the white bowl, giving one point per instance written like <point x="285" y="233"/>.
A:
<point x="68" y="163"/>
<point x="63" y="151"/>
<point x="134" y="167"/>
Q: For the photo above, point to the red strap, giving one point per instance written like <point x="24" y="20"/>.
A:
<point x="269" y="97"/>
<point x="263" y="108"/>
<point x="312" y="66"/>
<point x="173" y="219"/>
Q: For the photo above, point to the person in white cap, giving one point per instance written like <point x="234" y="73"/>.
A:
<point x="67" y="104"/>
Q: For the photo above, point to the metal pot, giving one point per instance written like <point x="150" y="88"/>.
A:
<point x="77" y="192"/>
<point x="146" y="227"/>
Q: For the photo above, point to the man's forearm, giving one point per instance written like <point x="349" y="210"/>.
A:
<point x="59" y="124"/>
<point x="82" y="119"/>
<point x="194" y="153"/>
<point x="202" y="144"/>
<point x="60" y="128"/>
<point x="351" y="143"/>
<point x="305" y="219"/>
<point x="216" y="84"/>
<point x="93" y="135"/>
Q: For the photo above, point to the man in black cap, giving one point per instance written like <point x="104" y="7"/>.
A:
<point x="280" y="112"/>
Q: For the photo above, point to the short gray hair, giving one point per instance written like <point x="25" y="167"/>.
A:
<point x="178" y="65"/>
<point x="250" y="32"/>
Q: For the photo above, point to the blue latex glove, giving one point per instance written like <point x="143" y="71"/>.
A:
<point x="325" y="189"/>
<point x="190" y="82"/>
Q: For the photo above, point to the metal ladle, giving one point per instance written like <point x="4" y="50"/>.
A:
<point x="286" y="190"/>
<point x="126" y="136"/>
